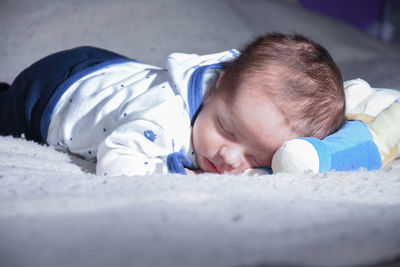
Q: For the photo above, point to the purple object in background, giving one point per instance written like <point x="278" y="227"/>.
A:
<point x="359" y="13"/>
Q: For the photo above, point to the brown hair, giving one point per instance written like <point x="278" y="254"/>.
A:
<point x="299" y="76"/>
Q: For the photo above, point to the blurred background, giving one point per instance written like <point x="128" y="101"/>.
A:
<point x="379" y="18"/>
<point x="362" y="36"/>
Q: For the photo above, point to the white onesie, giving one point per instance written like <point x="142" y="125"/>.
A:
<point x="131" y="116"/>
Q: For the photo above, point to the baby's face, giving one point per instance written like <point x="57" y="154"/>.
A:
<point x="233" y="133"/>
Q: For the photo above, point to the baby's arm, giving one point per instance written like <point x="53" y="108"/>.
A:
<point x="135" y="148"/>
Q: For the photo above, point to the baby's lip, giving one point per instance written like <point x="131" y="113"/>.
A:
<point x="209" y="166"/>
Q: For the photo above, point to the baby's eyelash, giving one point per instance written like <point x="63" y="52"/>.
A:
<point x="226" y="132"/>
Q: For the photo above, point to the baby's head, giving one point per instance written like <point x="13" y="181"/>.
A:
<point x="280" y="87"/>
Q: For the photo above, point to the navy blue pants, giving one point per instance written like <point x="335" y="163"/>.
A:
<point x="26" y="107"/>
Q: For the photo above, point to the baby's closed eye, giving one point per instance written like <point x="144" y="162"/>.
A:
<point x="226" y="131"/>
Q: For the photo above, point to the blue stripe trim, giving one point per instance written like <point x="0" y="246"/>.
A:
<point x="48" y="111"/>
<point x="195" y="89"/>
<point x="177" y="161"/>
<point x="234" y="52"/>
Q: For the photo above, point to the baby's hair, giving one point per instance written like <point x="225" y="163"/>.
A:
<point x="299" y="76"/>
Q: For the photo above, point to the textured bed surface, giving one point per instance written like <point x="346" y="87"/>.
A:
<point x="52" y="213"/>
<point x="55" y="212"/>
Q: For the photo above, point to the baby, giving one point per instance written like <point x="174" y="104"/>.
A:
<point x="221" y="113"/>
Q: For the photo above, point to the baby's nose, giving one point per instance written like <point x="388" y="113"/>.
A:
<point x="232" y="157"/>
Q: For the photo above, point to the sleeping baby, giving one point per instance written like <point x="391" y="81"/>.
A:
<point x="222" y="113"/>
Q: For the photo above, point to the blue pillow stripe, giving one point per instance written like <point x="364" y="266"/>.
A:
<point x="195" y="89"/>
